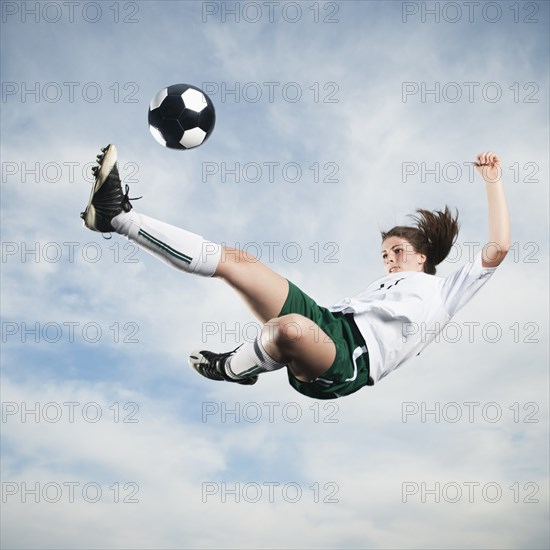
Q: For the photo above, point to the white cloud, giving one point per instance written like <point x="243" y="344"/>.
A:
<point x="366" y="135"/>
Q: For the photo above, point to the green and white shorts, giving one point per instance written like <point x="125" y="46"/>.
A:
<point x="350" y="370"/>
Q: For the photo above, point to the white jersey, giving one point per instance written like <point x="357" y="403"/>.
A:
<point x="400" y="314"/>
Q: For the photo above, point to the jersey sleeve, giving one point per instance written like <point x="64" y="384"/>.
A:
<point x="461" y="286"/>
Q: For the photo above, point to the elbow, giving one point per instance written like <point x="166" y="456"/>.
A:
<point x="494" y="253"/>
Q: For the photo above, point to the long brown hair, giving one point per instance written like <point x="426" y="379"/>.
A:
<point x="434" y="235"/>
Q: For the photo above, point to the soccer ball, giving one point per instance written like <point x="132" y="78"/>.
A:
<point x="181" y="116"/>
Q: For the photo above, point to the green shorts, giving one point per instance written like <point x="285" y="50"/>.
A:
<point x="346" y="374"/>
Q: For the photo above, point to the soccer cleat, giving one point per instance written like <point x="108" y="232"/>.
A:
<point x="106" y="199"/>
<point x="212" y="365"/>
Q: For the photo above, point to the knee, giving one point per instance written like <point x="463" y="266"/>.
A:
<point x="285" y="330"/>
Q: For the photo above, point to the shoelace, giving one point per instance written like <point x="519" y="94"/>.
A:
<point x="125" y="198"/>
<point x="126" y="191"/>
<point x="220" y="358"/>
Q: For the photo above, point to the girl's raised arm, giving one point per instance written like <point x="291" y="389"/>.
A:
<point x="488" y="165"/>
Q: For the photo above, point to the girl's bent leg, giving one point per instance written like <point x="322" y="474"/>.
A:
<point x="301" y="344"/>
<point x="291" y="340"/>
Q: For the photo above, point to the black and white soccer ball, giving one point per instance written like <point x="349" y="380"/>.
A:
<point x="181" y="116"/>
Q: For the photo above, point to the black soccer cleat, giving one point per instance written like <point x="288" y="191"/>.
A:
<point x="212" y="365"/>
<point x="107" y="199"/>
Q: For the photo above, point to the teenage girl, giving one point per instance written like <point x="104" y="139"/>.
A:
<point x="328" y="352"/>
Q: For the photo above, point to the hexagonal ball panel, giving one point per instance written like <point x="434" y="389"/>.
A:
<point x="157" y="135"/>
<point x="194" y="100"/>
<point x="158" y="99"/>
<point x="192" y="138"/>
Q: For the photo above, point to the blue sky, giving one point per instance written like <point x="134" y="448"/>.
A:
<point x="117" y="406"/>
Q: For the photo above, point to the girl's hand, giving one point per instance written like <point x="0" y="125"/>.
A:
<point x="488" y="165"/>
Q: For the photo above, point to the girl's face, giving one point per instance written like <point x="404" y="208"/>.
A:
<point x="399" y="255"/>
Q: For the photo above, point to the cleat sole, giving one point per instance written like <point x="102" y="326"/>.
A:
<point x="101" y="172"/>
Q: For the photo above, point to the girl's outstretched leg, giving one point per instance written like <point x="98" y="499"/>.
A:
<point x="109" y="210"/>
<point x="263" y="290"/>
<point x="177" y="247"/>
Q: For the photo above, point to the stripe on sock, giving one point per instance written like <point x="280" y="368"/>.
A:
<point x="256" y="369"/>
<point x="172" y="251"/>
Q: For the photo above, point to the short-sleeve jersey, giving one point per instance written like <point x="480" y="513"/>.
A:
<point x="400" y="314"/>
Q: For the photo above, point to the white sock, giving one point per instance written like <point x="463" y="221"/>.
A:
<point x="175" y="246"/>
<point x="250" y="359"/>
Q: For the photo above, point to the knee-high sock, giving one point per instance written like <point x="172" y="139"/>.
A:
<point x="250" y="359"/>
<point x="175" y="246"/>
